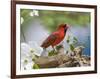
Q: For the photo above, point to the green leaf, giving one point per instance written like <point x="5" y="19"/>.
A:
<point x="71" y="47"/>
<point x="68" y="39"/>
<point x="52" y="53"/>
<point x="75" y="39"/>
<point x="25" y="61"/>
<point x="58" y="47"/>
<point x="35" y="66"/>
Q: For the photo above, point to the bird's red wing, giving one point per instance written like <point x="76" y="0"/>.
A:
<point x="49" y="41"/>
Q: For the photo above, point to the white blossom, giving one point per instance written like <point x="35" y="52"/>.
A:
<point x="34" y="13"/>
<point x="28" y="53"/>
<point x="22" y="20"/>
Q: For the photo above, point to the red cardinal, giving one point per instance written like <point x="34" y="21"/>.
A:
<point x="56" y="37"/>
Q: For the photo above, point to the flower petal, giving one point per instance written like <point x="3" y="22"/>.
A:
<point x="36" y="13"/>
<point x="24" y="49"/>
<point x="31" y="14"/>
<point x="29" y="66"/>
<point x="37" y="49"/>
<point x="22" y="20"/>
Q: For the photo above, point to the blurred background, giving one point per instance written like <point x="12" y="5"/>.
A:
<point x="36" y="25"/>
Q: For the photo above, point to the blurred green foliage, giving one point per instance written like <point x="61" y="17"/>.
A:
<point x="51" y="19"/>
<point x="52" y="53"/>
<point x="35" y="66"/>
<point x="71" y="41"/>
<point x="71" y="47"/>
<point x="25" y="13"/>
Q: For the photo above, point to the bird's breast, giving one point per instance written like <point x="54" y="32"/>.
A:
<point x="60" y="38"/>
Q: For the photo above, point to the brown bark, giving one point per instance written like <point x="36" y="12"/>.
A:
<point x="52" y="61"/>
<point x="64" y="60"/>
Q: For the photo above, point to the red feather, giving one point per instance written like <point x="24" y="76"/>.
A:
<point x="56" y="37"/>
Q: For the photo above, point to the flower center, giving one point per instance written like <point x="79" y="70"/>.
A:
<point x="32" y="50"/>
